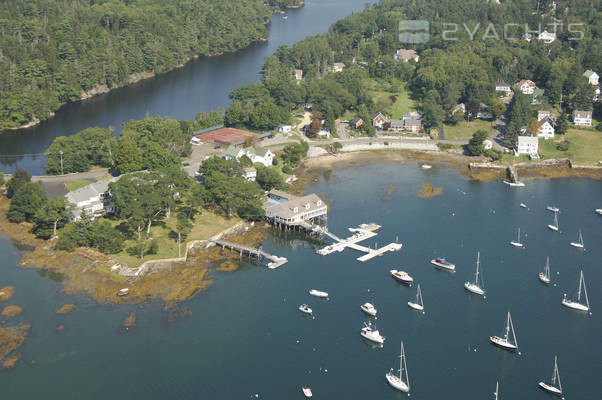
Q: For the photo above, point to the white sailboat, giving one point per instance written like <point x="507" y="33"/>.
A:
<point x="506" y="342"/>
<point x="517" y="243"/>
<point x="578" y="244"/>
<point x="545" y="275"/>
<point x="554" y="226"/>
<point x="476" y="286"/>
<point x="554" y="386"/>
<point x="418" y="304"/>
<point x="497" y="390"/>
<point x="398" y="381"/>
<point x="577" y="304"/>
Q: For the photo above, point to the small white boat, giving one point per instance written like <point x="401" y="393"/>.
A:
<point x="523" y="205"/>
<point x="285" y="17"/>
<point x="443" y="263"/>
<point x="545" y="275"/>
<point x="372" y="334"/>
<point x="369" y="309"/>
<point x="307" y="392"/>
<point x="304" y="308"/>
<point x="577" y="304"/>
<point x="553" y="209"/>
<point x="397" y="381"/>
<point x="554" y="386"/>
<point x="497" y="391"/>
<point x="426" y="166"/>
<point x="123" y="292"/>
<point x="318" y="293"/>
<point x="506" y="342"/>
<point x="514" y="184"/>
<point x="554" y="226"/>
<point x="578" y="244"/>
<point x="402" y="276"/>
<point x="517" y="243"/>
<point x="418" y="304"/>
<point x="476" y="286"/>
<point x="599" y="211"/>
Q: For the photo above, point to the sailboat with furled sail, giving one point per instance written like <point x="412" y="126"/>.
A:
<point x="578" y="304"/>
<point x="578" y="244"/>
<point x="554" y="386"/>
<point x="476" y="286"/>
<point x="506" y="342"/>
<point x="497" y="391"/>
<point x="554" y="227"/>
<point x="517" y="243"/>
<point x="545" y="275"/>
<point x="418" y="304"/>
<point x="397" y="381"/>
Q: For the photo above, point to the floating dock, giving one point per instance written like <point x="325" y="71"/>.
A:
<point x="275" y="261"/>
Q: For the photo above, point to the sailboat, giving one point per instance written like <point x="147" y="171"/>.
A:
<point x="397" y="381"/>
<point x="554" y="386"/>
<point x="517" y="243"/>
<point x="418" y="304"/>
<point x="506" y="342"/>
<point x="545" y="275"/>
<point x="476" y="286"/>
<point x="577" y="304"/>
<point x="578" y="244"/>
<point x="555" y="226"/>
<point x="497" y="390"/>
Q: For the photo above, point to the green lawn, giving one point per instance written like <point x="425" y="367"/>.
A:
<point x="391" y="103"/>
<point x="463" y="132"/>
<point x="74" y="185"/>
<point x="585" y="146"/>
<point x="205" y="226"/>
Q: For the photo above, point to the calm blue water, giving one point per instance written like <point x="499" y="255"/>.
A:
<point x="246" y="337"/>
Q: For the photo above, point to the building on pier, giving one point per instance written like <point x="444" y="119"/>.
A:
<point x="289" y="211"/>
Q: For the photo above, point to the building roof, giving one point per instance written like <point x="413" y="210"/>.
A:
<point x="89" y="191"/>
<point x="407" y="54"/>
<point x="356" y="120"/>
<point x="249" y="170"/>
<point x="527" y="81"/>
<point x="379" y="114"/>
<point x="500" y="84"/>
<point x="339" y="65"/>
<point x="232" y="151"/>
<point x="286" y="209"/>
<point x="397" y="123"/>
<point x="528" y="140"/>
<point x="582" y="114"/>
<point x="226" y="136"/>
<point x="260" y="151"/>
<point x="589" y="73"/>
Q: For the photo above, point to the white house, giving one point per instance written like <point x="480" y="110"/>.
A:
<point x="582" y="118"/>
<point x="547" y="37"/>
<point x="543" y="114"/>
<point x="379" y="121"/>
<point x="324" y="133"/>
<point x="286" y="208"/>
<point x="249" y="173"/>
<point x="298" y="74"/>
<point x="545" y="129"/>
<point x="483" y="112"/>
<point x="338" y="67"/>
<point x="256" y="154"/>
<point x="406" y="55"/>
<point x="503" y="87"/>
<point x="460" y="107"/>
<point x="592" y="77"/>
<point x="527" y="145"/>
<point x="526" y="86"/>
<point x="94" y="199"/>
<point x="284" y="128"/>
<point x="487" y="144"/>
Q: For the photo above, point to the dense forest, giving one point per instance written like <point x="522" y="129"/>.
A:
<point x="54" y="51"/>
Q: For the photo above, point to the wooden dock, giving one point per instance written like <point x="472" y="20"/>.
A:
<point x="275" y="261"/>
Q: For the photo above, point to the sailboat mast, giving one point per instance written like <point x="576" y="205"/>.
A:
<point x="513" y="333"/>
<point x="518" y="240"/>
<point x="547" y="271"/>
<point x="497" y="387"/>
<point x="476" y="276"/>
<point x="580" y="283"/>
<point x="584" y="289"/>
<point x="403" y="365"/>
<point x="555" y="371"/>
<point x="507" y="326"/>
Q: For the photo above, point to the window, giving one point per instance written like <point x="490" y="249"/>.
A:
<point x="307" y="206"/>
<point x="319" y="203"/>
<point x="296" y="209"/>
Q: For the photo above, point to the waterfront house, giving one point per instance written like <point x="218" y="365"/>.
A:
<point x="582" y="118"/>
<point x="249" y="173"/>
<point x="547" y="37"/>
<point x="527" y="145"/>
<point x="396" y="125"/>
<point x="338" y="67"/>
<point x="290" y="210"/>
<point x="412" y="122"/>
<point x="592" y="77"/>
<point x="357" y="123"/>
<point x="503" y="87"/>
<point x="298" y="74"/>
<point x="526" y="86"/>
<point x="406" y="55"/>
<point x="545" y="129"/>
<point x="379" y="121"/>
<point x="256" y="154"/>
<point x="94" y="199"/>
<point x="284" y="128"/>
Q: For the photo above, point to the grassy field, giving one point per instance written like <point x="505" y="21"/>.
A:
<point x="391" y="103"/>
<point x="463" y="132"/>
<point x="585" y="146"/>
<point x="74" y="185"/>
<point x="205" y="226"/>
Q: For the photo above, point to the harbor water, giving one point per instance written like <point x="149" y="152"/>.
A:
<point x="246" y="338"/>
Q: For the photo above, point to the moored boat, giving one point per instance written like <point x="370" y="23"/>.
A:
<point x="426" y="166"/>
<point x="506" y="342"/>
<point x="554" y="226"/>
<point x="402" y="276"/>
<point x="545" y="275"/>
<point x="372" y="334"/>
<point x="553" y="209"/>
<point x="517" y="243"/>
<point x="304" y="308"/>
<point x="577" y="304"/>
<point x="554" y="387"/>
<point x="397" y="381"/>
<point x="318" y="293"/>
<point x="307" y="392"/>
<point x="599" y="211"/>
<point x="443" y="263"/>
<point x="123" y="292"/>
<point x="369" y="309"/>
<point x="418" y="304"/>
<point x="578" y="244"/>
<point x="523" y="205"/>
<point x="514" y="184"/>
<point x="476" y="286"/>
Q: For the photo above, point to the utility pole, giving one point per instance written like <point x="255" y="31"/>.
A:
<point x="61" y="153"/>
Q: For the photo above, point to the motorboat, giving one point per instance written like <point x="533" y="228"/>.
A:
<point x="443" y="263"/>
<point x="318" y="293"/>
<point x="476" y="286"/>
<point x="397" y="381"/>
<point x="369" y="309"/>
<point x="523" y="205"/>
<point x="369" y="332"/>
<point x="123" y="292"/>
<point x="553" y="209"/>
<point x="304" y="308"/>
<point x="514" y="184"/>
<point x="506" y="342"/>
<point x="307" y="392"/>
<point x="599" y="211"/>
<point x="426" y="166"/>
<point x="402" y="276"/>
